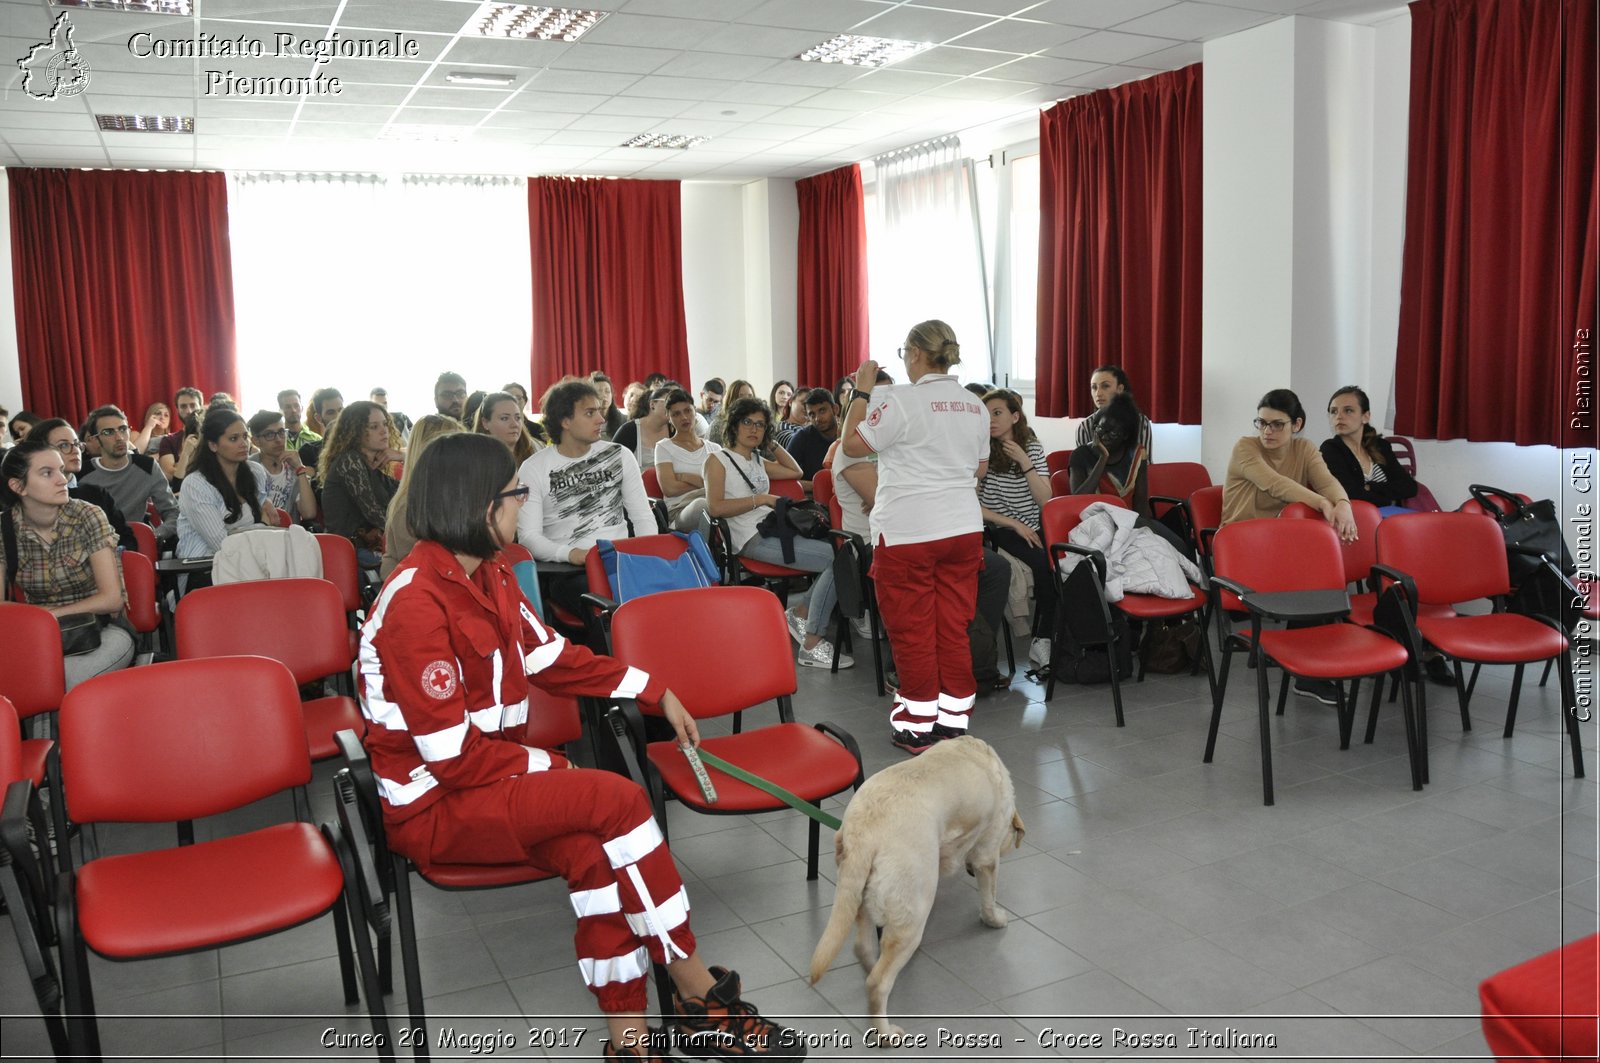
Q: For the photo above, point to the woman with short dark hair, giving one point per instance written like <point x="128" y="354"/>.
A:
<point x="1275" y="467"/>
<point x="447" y="661"/>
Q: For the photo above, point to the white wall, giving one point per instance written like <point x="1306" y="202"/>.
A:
<point x="10" y="364"/>
<point x="714" y="304"/>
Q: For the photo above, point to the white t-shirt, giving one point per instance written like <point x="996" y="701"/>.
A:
<point x="575" y="502"/>
<point x="930" y="437"/>
<point x="742" y="526"/>
<point x="684" y="461"/>
<point x="850" y="500"/>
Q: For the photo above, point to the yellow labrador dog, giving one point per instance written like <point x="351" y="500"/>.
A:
<point x="906" y="827"/>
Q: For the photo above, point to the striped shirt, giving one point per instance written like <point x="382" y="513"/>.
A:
<point x="1008" y="493"/>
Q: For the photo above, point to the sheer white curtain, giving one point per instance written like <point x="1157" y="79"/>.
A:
<point x="356" y="280"/>
<point x="924" y="258"/>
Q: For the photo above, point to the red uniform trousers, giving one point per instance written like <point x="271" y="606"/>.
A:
<point x="927" y="593"/>
<point x="594" y="829"/>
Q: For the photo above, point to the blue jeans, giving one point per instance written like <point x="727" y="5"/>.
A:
<point x="810" y="555"/>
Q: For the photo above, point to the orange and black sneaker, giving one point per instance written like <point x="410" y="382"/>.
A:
<point x="720" y="1025"/>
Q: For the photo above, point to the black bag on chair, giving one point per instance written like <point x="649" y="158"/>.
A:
<point x="1527" y="526"/>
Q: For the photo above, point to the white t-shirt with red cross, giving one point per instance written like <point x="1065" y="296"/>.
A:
<point x="930" y="438"/>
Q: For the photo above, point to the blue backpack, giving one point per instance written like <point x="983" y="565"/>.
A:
<point x="635" y="575"/>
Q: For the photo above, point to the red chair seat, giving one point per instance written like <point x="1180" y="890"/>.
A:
<point x="1498" y="638"/>
<point x="1544" y="1008"/>
<point x="34" y="753"/>
<point x="197" y="896"/>
<point x="1362" y="606"/>
<point x="481" y="876"/>
<point x="327" y="716"/>
<point x="1327" y="652"/>
<point x="798" y="758"/>
<point x="770" y="571"/>
<point x="1151" y="606"/>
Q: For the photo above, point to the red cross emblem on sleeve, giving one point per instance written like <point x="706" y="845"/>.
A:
<point x="439" y="680"/>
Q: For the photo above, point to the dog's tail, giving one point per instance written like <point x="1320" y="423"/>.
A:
<point x="854" y="867"/>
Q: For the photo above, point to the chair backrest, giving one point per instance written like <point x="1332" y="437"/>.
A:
<point x="1176" y="479"/>
<point x="1472" y="505"/>
<point x="739" y="655"/>
<point x="31" y="671"/>
<point x="1057" y="461"/>
<point x="145" y="537"/>
<point x="1453" y="557"/>
<point x="512" y="553"/>
<point x="340" y="568"/>
<point x="788" y="489"/>
<point x="652" y="482"/>
<point x="1278" y="555"/>
<point x="1060" y="484"/>
<point x="300" y="622"/>
<point x="1359" y="556"/>
<point x="822" y="493"/>
<point x="1061" y="515"/>
<point x="1405" y="453"/>
<point x="1205" y="513"/>
<point x="152" y="516"/>
<point x="133" y="752"/>
<point x="668" y="546"/>
<point x="10" y="744"/>
<point x="553" y="719"/>
<point x="139" y="584"/>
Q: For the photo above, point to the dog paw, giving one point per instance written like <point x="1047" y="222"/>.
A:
<point x="997" y="918"/>
<point x="890" y="1035"/>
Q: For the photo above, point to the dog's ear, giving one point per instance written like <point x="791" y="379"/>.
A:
<point x="1017" y="830"/>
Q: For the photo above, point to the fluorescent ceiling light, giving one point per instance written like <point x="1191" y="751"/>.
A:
<point x="145" y="123"/>
<point x="539" y="23"/>
<point x="668" y="141"/>
<point x="143" y="7"/>
<point x="853" y="50"/>
<point x="462" y="77"/>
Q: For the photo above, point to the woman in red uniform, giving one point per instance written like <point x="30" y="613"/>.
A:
<point x="446" y="660"/>
<point x="932" y="441"/>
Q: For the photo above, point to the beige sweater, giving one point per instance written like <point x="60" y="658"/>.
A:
<point x="1261" y="482"/>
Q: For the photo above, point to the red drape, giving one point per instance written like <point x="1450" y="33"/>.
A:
<point x="1119" y="246"/>
<point x="831" y="339"/>
<point x="1497" y="288"/>
<point x="124" y="287"/>
<point x="607" y="279"/>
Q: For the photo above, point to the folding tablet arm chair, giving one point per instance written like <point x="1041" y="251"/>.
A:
<point x="1171" y="483"/>
<point x="813" y="762"/>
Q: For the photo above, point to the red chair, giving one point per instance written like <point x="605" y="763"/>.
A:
<point x="1405" y="452"/>
<point x="139" y="584"/>
<point x="178" y="760"/>
<point x="1058" y="461"/>
<point x="1081" y="608"/>
<point x="340" y="568"/>
<point x="1472" y="505"/>
<point x="1204" y="514"/>
<point x="813" y="762"/>
<point x="658" y="501"/>
<point x="1061" y="484"/>
<point x="788" y="489"/>
<point x="28" y="887"/>
<point x="1169" y="484"/>
<point x="145" y="536"/>
<point x="1254" y="559"/>
<point x="601" y="597"/>
<point x="1359" y="556"/>
<point x="1544" y="1008"/>
<point x="313" y="646"/>
<point x="32" y="675"/>
<point x="1449" y="558"/>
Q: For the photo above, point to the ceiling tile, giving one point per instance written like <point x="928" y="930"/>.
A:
<point x="1192" y="21"/>
<point x="76" y="121"/>
<point x="339" y="130"/>
<point x="722" y="10"/>
<point x="983" y="89"/>
<point x="850" y="102"/>
<point x="495" y="51"/>
<point x="589" y="82"/>
<point x="1047" y="70"/>
<point x="770" y="41"/>
<point x="472" y="99"/>
<point x="1015" y="35"/>
<point x="532" y="120"/>
<point x="611" y="58"/>
<point x="823" y="16"/>
<point x="59" y="138"/>
<point x="588" y="138"/>
<point x="948" y="59"/>
<point x="727" y="110"/>
<point x="1179" y="55"/>
<point x="921" y="24"/>
<point x="763" y="94"/>
<point x="369" y="94"/>
<point x="639" y="105"/>
<point x="720" y="65"/>
<point x="247" y="107"/>
<point x="565" y="102"/>
<point x="648" y="31"/>
<point x="979" y="7"/>
<point x="1110" y="46"/>
<point x="273" y="10"/>
<point x="1109" y="76"/>
<point x="665" y="88"/>
<point x="1097" y="14"/>
<point x="337" y="112"/>
<point x="422" y="15"/>
<point x="900" y="82"/>
<point x="142" y="84"/>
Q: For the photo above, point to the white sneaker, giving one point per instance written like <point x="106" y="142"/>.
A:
<point x="797" y="625"/>
<point x="863" y="627"/>
<point x="821" y="656"/>
<point x="1039" y="652"/>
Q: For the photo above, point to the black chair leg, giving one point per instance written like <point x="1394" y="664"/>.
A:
<point x="1463" y="693"/>
<point x="1283" y="689"/>
<point x="341" y="933"/>
<point x="370" y="984"/>
<point x="1346" y="713"/>
<point x="1262" y="689"/>
<point x="1372" y="712"/>
<point x="1116" y="681"/>
<point x="410" y="964"/>
<point x="1414" y="746"/>
<point x="813" y="840"/>
<point x="1422" y="726"/>
<point x="1516" y="694"/>
<point x="1218" y="689"/>
<point x="1544" y="677"/>
<point x="1569" y="706"/>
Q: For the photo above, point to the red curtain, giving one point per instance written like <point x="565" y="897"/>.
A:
<point x="124" y="287"/>
<point x="1119" y="246"/>
<point x="607" y="279"/>
<point x="1497" y="290"/>
<point x="832" y="336"/>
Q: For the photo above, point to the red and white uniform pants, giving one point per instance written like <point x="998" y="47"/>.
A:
<point x="927" y="593"/>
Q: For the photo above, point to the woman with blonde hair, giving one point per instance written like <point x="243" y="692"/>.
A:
<point x="398" y="538"/>
<point x="500" y="416"/>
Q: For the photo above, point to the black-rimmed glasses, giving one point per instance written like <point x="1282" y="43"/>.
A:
<point x="519" y="492"/>
<point x="111" y="433"/>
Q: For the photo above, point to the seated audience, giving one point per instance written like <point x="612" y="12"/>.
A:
<point x="296" y="433"/>
<point x="460" y="788"/>
<point x="61" y="552"/>
<point x="402" y="423"/>
<point x="738" y="482"/>
<point x="187" y="403"/>
<point x="1104" y="382"/>
<point x="580" y="490"/>
<point x="529" y="421"/>
<point x="680" y="463"/>
<point x="469" y="410"/>
<point x="22" y="424"/>
<point x="450" y="396"/>
<point x="500" y="416"/>
<point x="132" y="479"/>
<point x="327" y="404"/>
<point x="157" y="419"/>
<point x="1361" y="459"/>
<point x="793" y="418"/>
<point x="648" y="427"/>
<point x="810" y="445"/>
<point x="1114" y="464"/>
<point x="615" y="418"/>
<point x="356" y="486"/>
<point x="739" y="389"/>
<point x="5" y="430"/>
<point x="1276" y="467"/>
<point x="711" y="393"/>
<point x="630" y="395"/>
<point x="225" y="492"/>
<point x="397" y="536"/>
<point x="288" y="483"/>
<point x="63" y="439"/>
<point x="1011" y="494"/>
<point x="778" y="398"/>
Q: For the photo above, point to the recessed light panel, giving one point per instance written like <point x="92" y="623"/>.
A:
<point x="668" y="141"/>
<point x="143" y="7"/>
<point x="853" y="50"/>
<point x="536" y="23"/>
<point x="145" y="123"/>
<point x="467" y="77"/>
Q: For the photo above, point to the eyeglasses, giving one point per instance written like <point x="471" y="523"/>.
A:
<point x="459" y="393"/>
<point x="752" y="422"/>
<point x="68" y="446"/>
<point x="111" y="433"/>
<point x="519" y="492"/>
<point x="1272" y="426"/>
<point x="271" y="434"/>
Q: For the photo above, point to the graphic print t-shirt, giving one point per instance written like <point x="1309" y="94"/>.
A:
<point x="573" y="502"/>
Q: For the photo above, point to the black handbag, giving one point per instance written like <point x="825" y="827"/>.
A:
<point x="1529" y="528"/>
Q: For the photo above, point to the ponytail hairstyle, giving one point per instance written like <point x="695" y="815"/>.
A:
<point x="938" y="341"/>
<point x="1287" y="401"/>
<point x="206" y="465"/>
<point x="999" y="461"/>
<point x="1369" y="434"/>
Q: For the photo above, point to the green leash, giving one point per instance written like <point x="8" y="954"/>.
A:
<point x="798" y="803"/>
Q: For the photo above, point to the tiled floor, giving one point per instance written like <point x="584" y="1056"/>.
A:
<point x="1153" y="894"/>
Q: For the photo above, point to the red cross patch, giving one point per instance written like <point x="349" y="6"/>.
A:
<point x="875" y="416"/>
<point x="439" y="680"/>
